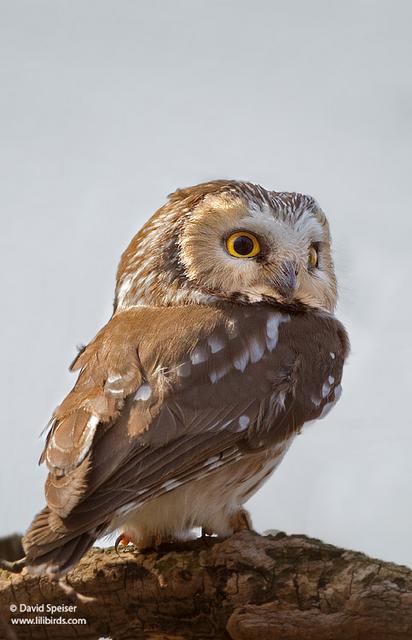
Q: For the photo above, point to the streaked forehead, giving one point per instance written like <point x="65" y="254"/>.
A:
<point x="294" y="208"/>
<point x="298" y="211"/>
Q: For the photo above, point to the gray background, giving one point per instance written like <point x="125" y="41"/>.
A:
<point x="108" y="106"/>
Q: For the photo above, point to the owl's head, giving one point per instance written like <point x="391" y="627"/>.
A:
<point x="232" y="241"/>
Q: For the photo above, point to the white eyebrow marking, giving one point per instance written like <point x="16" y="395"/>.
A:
<point x="215" y="343"/>
<point x="143" y="393"/>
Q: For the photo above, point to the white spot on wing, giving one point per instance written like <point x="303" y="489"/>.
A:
<point x="114" y="378"/>
<point x="171" y="484"/>
<point x="256" y="349"/>
<point x="115" y="392"/>
<point x="241" y="360"/>
<point x="280" y="400"/>
<point x="232" y="331"/>
<point x="215" y="376"/>
<point x="327" y="386"/>
<point x="215" y="465"/>
<point x="112" y="385"/>
<point x="244" y="422"/>
<point x="90" y="430"/>
<point x="199" y="354"/>
<point x="184" y="369"/>
<point x="332" y="355"/>
<point x="215" y="343"/>
<point x="328" y="406"/>
<point x="143" y="393"/>
<point x="272" y="328"/>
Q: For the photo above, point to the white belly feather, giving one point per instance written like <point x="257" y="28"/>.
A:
<point x="208" y="502"/>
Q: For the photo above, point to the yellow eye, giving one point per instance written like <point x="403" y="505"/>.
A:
<point x="313" y="257"/>
<point x="243" y="244"/>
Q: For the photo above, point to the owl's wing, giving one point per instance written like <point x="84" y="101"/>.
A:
<point x="165" y="396"/>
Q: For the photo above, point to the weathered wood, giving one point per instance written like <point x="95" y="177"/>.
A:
<point x="248" y="587"/>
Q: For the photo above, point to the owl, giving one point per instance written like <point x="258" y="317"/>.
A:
<point x="221" y="347"/>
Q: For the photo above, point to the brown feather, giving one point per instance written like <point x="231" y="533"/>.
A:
<point x="187" y="419"/>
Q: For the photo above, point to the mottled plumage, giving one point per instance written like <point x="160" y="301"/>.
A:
<point x="188" y="398"/>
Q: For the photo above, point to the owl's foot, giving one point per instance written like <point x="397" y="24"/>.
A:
<point x="121" y="541"/>
<point x="241" y="521"/>
<point x="144" y="543"/>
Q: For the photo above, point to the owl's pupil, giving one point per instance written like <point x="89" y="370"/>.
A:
<point x="243" y="245"/>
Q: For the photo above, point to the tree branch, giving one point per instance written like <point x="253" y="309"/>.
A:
<point x="248" y="587"/>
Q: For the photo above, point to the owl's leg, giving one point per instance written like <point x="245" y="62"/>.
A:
<point x="145" y="542"/>
<point x="241" y="521"/>
<point x="224" y="523"/>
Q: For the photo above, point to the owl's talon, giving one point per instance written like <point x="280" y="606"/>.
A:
<point x="121" y="540"/>
<point x="241" y="521"/>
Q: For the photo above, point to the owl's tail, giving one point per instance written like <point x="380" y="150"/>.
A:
<point x="51" y="548"/>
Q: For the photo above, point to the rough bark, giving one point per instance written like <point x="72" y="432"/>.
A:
<point x="244" y="588"/>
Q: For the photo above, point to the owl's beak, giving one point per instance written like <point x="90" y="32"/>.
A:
<point x="285" y="279"/>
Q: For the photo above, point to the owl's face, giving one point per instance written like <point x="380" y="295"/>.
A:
<point x="237" y="242"/>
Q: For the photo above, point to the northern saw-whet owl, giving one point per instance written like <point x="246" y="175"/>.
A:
<point x="222" y="345"/>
